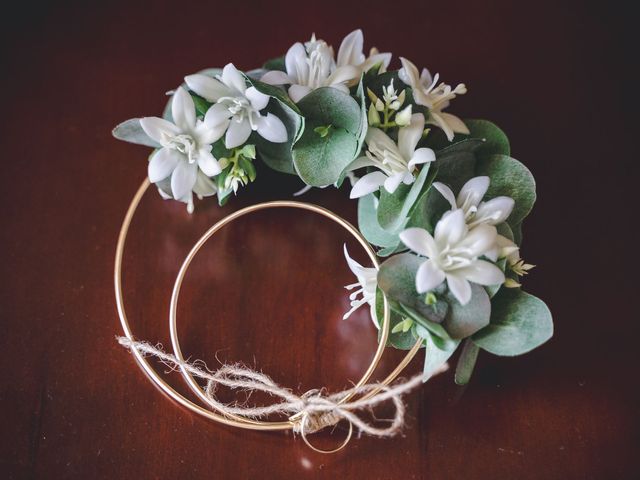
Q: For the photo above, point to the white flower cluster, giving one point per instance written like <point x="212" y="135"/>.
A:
<point x="184" y="160"/>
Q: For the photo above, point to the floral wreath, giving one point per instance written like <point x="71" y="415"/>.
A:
<point x="440" y="198"/>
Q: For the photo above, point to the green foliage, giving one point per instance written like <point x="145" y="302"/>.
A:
<point x="511" y="178"/>
<point x="320" y="160"/>
<point x="278" y="155"/>
<point x="462" y="321"/>
<point x="466" y="362"/>
<point x="394" y="208"/>
<point x="519" y="323"/>
<point x="402" y="340"/>
<point x="131" y="131"/>
<point x="495" y="140"/>
<point x="437" y="352"/>
<point x="369" y="226"/>
<point x="397" y="279"/>
<point x="275" y="64"/>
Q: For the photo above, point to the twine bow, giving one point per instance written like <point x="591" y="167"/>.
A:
<point x="309" y="413"/>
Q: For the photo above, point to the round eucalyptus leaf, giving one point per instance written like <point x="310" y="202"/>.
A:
<point x="519" y="323"/>
<point x="511" y="178"/>
<point x="495" y="140"/>
<point x="397" y="278"/>
<point x="369" y="226"/>
<point x="463" y="321"/>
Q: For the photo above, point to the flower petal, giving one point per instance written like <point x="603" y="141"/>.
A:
<point x="392" y="183"/>
<point x="482" y="273"/>
<point x="446" y="192"/>
<point x="258" y="99"/>
<point x="479" y="240"/>
<point x="409" y="74"/>
<point x="422" y="155"/>
<point x="454" y="123"/>
<point x="162" y="163"/>
<point x="428" y="277"/>
<point x="298" y="92"/>
<point x="378" y="58"/>
<point x="296" y="64"/>
<point x="460" y="288"/>
<point x="204" y="186"/>
<point x="276" y="77"/>
<point x="271" y="128"/>
<point x="208" y="134"/>
<point x="183" y="179"/>
<point x="354" y="266"/>
<point x="472" y="192"/>
<point x="232" y="78"/>
<point x="409" y="136"/>
<point x="217" y="115"/>
<point x="350" y="51"/>
<point x="367" y="184"/>
<point x="420" y="241"/>
<point x="210" y="89"/>
<point x="435" y="118"/>
<point x="451" y="228"/>
<point x="237" y="133"/>
<point x="208" y="163"/>
<point x="495" y="211"/>
<point x="158" y="128"/>
<point x="343" y="74"/>
<point x="183" y="110"/>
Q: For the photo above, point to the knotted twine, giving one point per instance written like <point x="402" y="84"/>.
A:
<point x="309" y="413"/>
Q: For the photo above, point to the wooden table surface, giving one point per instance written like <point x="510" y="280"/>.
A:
<point x="268" y="289"/>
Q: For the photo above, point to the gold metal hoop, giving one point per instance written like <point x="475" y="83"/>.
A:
<point x="170" y="391"/>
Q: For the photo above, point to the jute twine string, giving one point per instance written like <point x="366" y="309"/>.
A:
<point x="309" y="413"/>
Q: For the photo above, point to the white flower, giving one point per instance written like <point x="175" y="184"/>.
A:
<point x="469" y="199"/>
<point x="312" y="66"/>
<point x="396" y="163"/>
<point x="436" y="98"/>
<point x="453" y="255"/>
<point x="185" y="156"/>
<point x="367" y="281"/>
<point x="351" y="53"/>
<point x="236" y="108"/>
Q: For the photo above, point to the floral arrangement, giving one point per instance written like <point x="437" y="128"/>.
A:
<point x="441" y="198"/>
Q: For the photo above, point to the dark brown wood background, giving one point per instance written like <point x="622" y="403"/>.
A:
<point x="558" y="77"/>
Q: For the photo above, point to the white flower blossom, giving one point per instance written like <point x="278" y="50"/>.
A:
<point x="396" y="163"/>
<point x="312" y="65"/>
<point x="236" y="108"/>
<point x="436" y="97"/>
<point x="453" y="254"/>
<point x="367" y="283"/>
<point x="185" y="158"/>
<point x="469" y="199"/>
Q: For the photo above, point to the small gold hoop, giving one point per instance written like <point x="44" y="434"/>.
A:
<point x="303" y="434"/>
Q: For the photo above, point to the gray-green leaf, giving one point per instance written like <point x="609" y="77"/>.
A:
<point x="519" y="323"/>
<point x="465" y="320"/>
<point x="131" y="131"/>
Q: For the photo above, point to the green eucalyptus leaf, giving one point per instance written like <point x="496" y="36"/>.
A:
<point x="437" y="352"/>
<point x="320" y="160"/>
<point x="511" y="178"/>
<point x="131" y="131"/>
<point x="278" y="155"/>
<point x="369" y="226"/>
<point x="520" y="322"/>
<point x="387" y="251"/>
<point x="517" y="233"/>
<point x="495" y="140"/>
<point x="463" y="321"/>
<point x="201" y="105"/>
<point x="457" y="162"/>
<point x="394" y="208"/>
<point x="397" y="278"/>
<point x="275" y="64"/>
<point x="493" y="289"/>
<point x="466" y="362"/>
<point x="399" y="340"/>
<point x="424" y="324"/>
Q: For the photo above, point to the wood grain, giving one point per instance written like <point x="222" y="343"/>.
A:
<point x="268" y="289"/>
